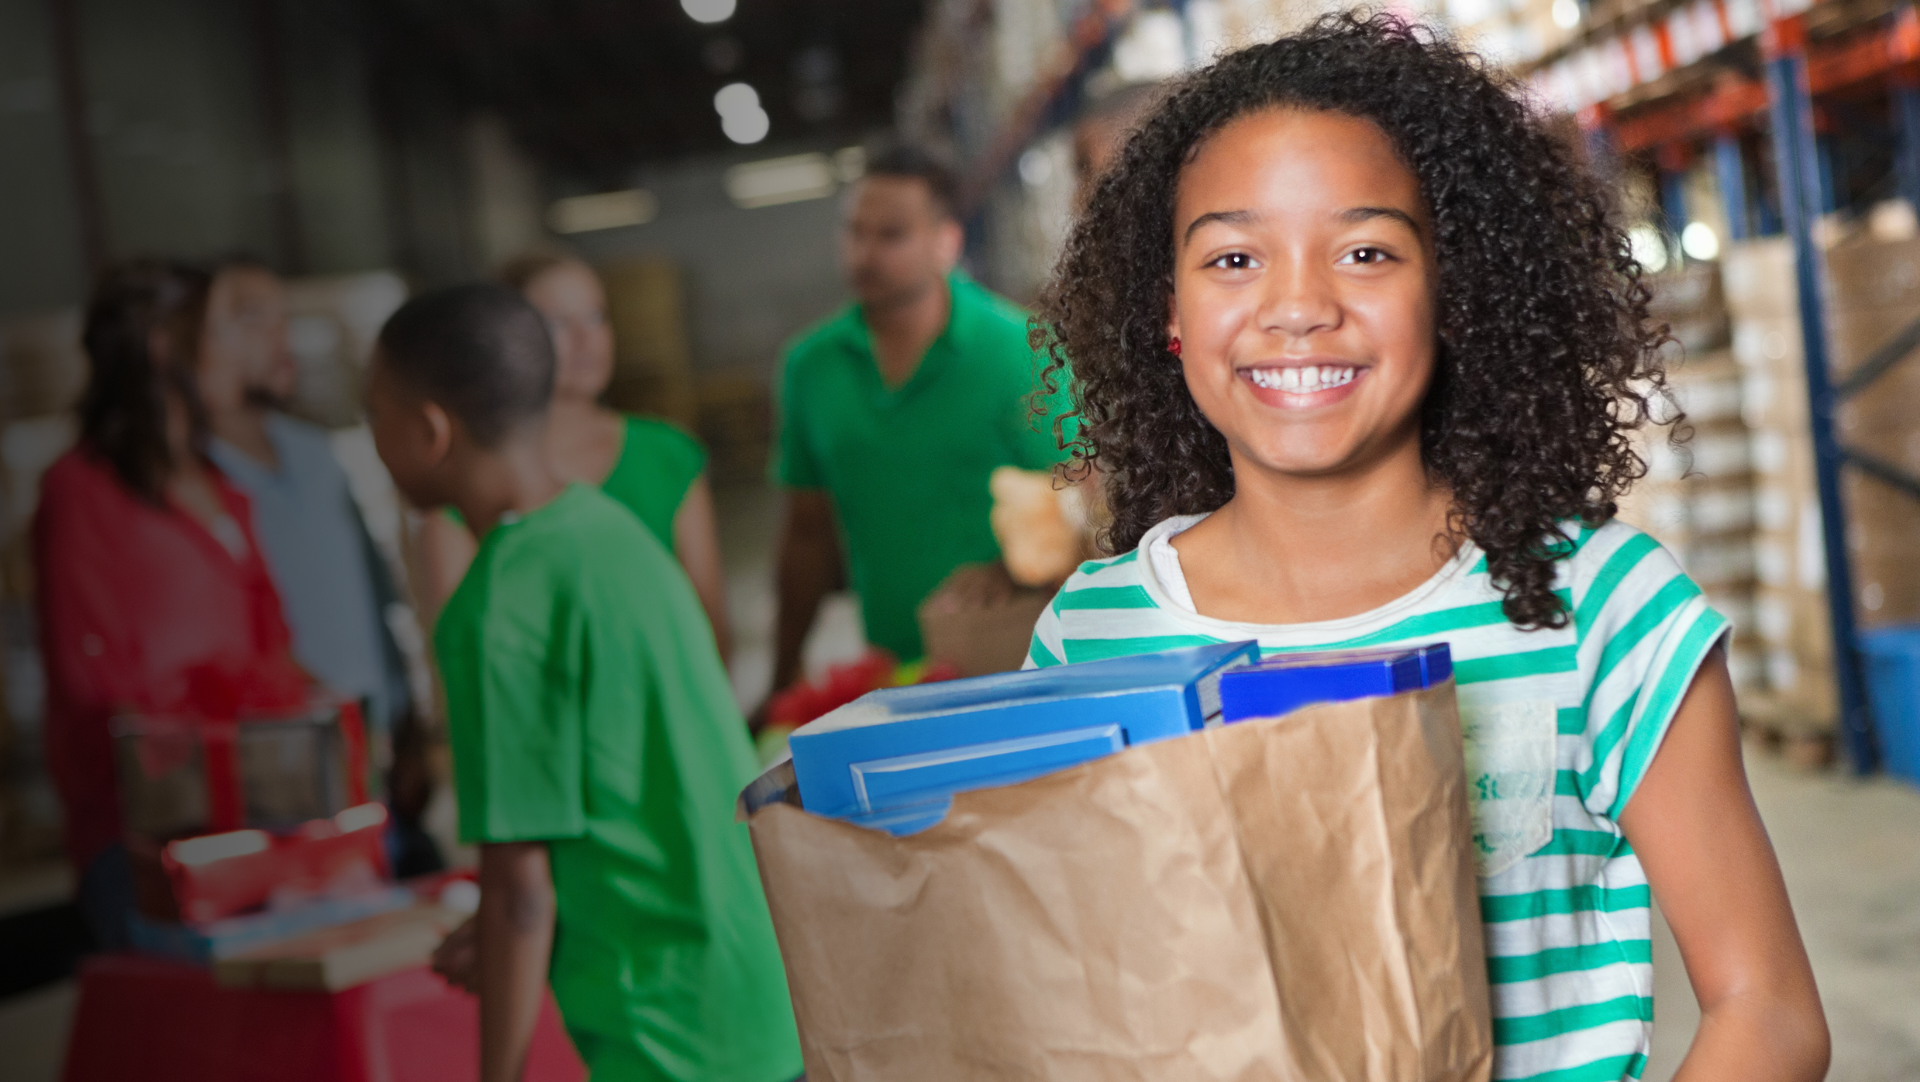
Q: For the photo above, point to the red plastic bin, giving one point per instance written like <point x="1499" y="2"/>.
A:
<point x="162" y="1021"/>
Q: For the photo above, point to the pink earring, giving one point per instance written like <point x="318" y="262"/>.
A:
<point x="1173" y="346"/>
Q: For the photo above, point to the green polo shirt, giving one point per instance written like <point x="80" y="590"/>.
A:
<point x="907" y="466"/>
<point x="587" y="710"/>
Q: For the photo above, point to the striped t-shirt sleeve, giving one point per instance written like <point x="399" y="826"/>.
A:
<point x="1047" y="648"/>
<point x="1644" y="630"/>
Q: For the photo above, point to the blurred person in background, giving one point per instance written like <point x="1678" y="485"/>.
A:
<point x="597" y="747"/>
<point x="892" y="414"/>
<point x="335" y="585"/>
<point x="152" y="594"/>
<point x="333" y="582"/>
<point x="652" y="467"/>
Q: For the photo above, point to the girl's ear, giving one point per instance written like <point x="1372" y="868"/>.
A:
<point x="1173" y="318"/>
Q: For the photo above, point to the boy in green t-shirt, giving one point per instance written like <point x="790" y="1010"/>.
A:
<point x="597" y="749"/>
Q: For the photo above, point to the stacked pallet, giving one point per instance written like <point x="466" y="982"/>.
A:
<point x="1874" y="298"/>
<point x="1790" y="601"/>
<point x="653" y="370"/>
<point x="1697" y="496"/>
<point x="42" y="371"/>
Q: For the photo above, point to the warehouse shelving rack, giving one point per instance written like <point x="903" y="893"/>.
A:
<point x="1676" y="107"/>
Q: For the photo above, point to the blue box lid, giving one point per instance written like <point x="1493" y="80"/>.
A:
<point x="901" y="748"/>
<point x="1280" y="683"/>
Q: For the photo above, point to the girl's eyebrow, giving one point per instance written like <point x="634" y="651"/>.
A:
<point x="1225" y="217"/>
<point x="1356" y="215"/>
<point x="1350" y="216"/>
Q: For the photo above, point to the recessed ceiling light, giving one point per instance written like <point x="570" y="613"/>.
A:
<point x="781" y="180"/>
<point x="606" y="210"/>
<point x="708" y="11"/>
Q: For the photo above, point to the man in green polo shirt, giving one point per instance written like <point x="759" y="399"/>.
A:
<point x="893" y="412"/>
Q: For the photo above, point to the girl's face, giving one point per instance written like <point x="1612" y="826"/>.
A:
<point x="569" y="296"/>
<point x="1303" y="291"/>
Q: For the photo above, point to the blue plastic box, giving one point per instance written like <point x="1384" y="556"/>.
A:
<point x="1893" y="685"/>
<point x="894" y="758"/>
<point x="1284" y="682"/>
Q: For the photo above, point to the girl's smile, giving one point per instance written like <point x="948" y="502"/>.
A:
<point x="1304" y="383"/>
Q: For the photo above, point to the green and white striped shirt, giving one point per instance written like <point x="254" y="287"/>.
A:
<point x="1560" y="726"/>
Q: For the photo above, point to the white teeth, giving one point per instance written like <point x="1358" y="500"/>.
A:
<point x="1302" y="380"/>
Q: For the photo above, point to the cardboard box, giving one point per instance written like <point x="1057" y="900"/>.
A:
<point x="653" y="367"/>
<point x="1871" y="274"/>
<point x="42" y="366"/>
<point x="1884" y="538"/>
<point x="332" y="325"/>
<point x="1757" y="279"/>
<point x="1686" y="292"/>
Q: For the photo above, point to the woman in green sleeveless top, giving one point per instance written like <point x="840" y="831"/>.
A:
<point x="654" y="468"/>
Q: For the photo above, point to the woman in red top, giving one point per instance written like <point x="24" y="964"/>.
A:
<point x="153" y="597"/>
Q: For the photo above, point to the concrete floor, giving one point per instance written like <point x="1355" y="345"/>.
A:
<point x="1850" y="852"/>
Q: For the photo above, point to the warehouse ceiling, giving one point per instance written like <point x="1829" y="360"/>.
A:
<point x="596" y="87"/>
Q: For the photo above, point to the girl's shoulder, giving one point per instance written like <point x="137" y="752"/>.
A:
<point x="1617" y="568"/>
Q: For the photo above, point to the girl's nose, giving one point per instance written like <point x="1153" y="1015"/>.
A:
<point x="1299" y="301"/>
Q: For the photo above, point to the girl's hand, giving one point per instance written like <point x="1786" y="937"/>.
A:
<point x="1694" y="825"/>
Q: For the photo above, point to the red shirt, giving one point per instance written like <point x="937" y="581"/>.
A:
<point x="142" y="610"/>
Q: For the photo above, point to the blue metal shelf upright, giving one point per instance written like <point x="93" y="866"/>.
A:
<point x="1797" y="166"/>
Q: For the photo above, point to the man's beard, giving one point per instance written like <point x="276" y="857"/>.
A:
<point x="265" y="398"/>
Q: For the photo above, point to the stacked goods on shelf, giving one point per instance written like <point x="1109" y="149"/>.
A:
<point x="1697" y="499"/>
<point x="652" y="372"/>
<point x="332" y="324"/>
<point x="1873" y="296"/>
<point x="1790" y="604"/>
<point x="42" y="371"/>
<point x="736" y="424"/>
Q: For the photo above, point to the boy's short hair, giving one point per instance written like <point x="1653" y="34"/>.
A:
<point x="480" y="351"/>
<point x="913" y="163"/>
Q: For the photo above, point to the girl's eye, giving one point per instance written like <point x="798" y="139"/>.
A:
<point x="1233" y="261"/>
<point x="1365" y="257"/>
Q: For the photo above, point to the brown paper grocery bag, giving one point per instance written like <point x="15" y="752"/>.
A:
<point x="1290" y="898"/>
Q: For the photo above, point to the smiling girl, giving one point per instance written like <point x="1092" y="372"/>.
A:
<point x="1359" y="352"/>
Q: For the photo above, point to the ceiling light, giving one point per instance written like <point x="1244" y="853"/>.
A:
<point x="607" y="210"/>
<point x="1700" y="242"/>
<point x="1566" y="14"/>
<point x="735" y="98"/>
<point x="741" y="117"/>
<point x="708" y="11"/>
<point x="745" y="127"/>
<point x="1648" y="248"/>
<point x="780" y="180"/>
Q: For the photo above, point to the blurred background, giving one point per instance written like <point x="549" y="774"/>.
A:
<point x="692" y="151"/>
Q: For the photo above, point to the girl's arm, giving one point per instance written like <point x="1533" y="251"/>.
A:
<point x="1694" y="825"/>
<point x="696" y="541"/>
<point x="515" y="940"/>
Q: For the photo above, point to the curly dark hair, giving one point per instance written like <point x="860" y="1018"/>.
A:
<point x="1545" y="361"/>
<point x="123" y="411"/>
